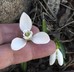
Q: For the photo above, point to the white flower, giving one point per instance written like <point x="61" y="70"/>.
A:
<point x="56" y="55"/>
<point x="25" y="26"/>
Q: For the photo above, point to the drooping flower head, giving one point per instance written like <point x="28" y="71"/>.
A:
<point x="25" y="26"/>
<point x="57" y="55"/>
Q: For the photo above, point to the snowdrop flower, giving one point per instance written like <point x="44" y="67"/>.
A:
<point x="25" y="26"/>
<point x="56" y="55"/>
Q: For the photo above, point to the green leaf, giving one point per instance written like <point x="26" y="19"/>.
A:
<point x="60" y="46"/>
<point x="44" y="26"/>
<point x="24" y="66"/>
<point x="62" y="50"/>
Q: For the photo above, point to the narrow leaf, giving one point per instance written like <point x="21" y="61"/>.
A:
<point x="23" y="66"/>
<point x="44" y="26"/>
<point x="61" y="47"/>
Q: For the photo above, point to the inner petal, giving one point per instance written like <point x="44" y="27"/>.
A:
<point x="27" y="35"/>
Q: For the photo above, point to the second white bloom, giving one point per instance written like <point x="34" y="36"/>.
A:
<point x="56" y="55"/>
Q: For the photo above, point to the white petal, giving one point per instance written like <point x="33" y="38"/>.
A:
<point x="59" y="57"/>
<point x="52" y="58"/>
<point x="25" y="22"/>
<point x="18" y="43"/>
<point x="40" y="38"/>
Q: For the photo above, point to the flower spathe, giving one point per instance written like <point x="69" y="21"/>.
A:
<point x="56" y="55"/>
<point x="25" y="26"/>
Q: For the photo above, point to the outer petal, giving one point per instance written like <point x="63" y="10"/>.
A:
<point x="59" y="57"/>
<point x="52" y="58"/>
<point x="18" y="43"/>
<point x="40" y="38"/>
<point x="25" y="22"/>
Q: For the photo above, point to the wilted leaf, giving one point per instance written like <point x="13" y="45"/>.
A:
<point x="64" y="17"/>
<point x="54" y="5"/>
<point x="64" y="1"/>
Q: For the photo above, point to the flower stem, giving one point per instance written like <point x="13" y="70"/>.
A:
<point x="44" y="26"/>
<point x="24" y="66"/>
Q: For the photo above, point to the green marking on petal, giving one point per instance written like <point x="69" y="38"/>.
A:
<point x="27" y="34"/>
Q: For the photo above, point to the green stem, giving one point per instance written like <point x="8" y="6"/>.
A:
<point x="44" y="26"/>
<point x="24" y="66"/>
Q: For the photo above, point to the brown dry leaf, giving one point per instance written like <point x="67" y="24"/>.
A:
<point x="54" y="5"/>
<point x="64" y="1"/>
<point x="64" y="18"/>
